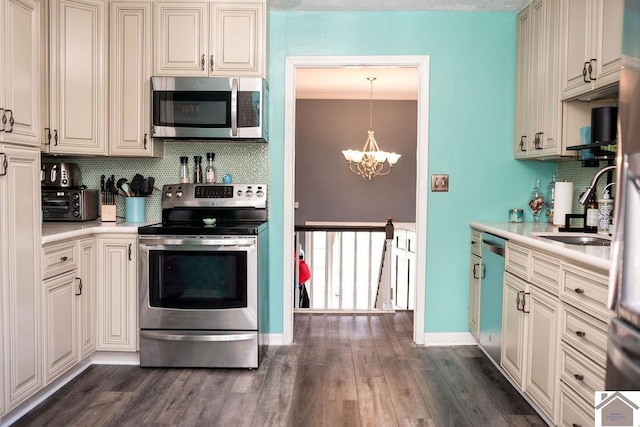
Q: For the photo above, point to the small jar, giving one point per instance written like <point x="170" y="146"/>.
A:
<point x="198" y="177"/>
<point x="516" y="215"/>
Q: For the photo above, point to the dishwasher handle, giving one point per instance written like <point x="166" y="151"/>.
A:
<point x="498" y="250"/>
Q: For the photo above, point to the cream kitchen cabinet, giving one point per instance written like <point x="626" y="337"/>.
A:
<point x="538" y="130"/>
<point x="117" y="292"/>
<point x="130" y="59"/>
<point x="20" y="67"/>
<point x="476" y="272"/>
<point x="78" y="81"/>
<point x="20" y="246"/>
<point x="592" y="45"/>
<point x="210" y="38"/>
<point x="86" y="297"/>
<point x="514" y="327"/>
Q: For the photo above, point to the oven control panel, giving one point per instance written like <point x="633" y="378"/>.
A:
<point x="216" y="195"/>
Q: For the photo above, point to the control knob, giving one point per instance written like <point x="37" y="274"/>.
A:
<point x="76" y="196"/>
<point x="76" y="214"/>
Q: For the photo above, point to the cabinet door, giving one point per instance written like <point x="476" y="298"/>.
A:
<point x="130" y="62"/>
<point x="236" y="39"/>
<point x="542" y="336"/>
<point x="60" y="334"/>
<point x="475" y="277"/>
<point x="20" y="247"/>
<point x="87" y="306"/>
<point x="608" y="41"/>
<point x="514" y="324"/>
<point x="20" y="77"/>
<point x="78" y="83"/>
<point x="181" y="36"/>
<point x="117" y="293"/>
<point x="523" y="85"/>
<point x="576" y="22"/>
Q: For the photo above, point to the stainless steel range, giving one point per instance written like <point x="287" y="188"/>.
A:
<point x="199" y="281"/>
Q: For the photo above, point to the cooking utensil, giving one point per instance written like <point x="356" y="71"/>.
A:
<point x="147" y="186"/>
<point x="125" y="189"/>
<point x="136" y="183"/>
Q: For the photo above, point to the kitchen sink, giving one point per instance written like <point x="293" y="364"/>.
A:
<point x="578" y="240"/>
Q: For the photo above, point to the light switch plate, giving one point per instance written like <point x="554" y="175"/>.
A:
<point x="440" y="182"/>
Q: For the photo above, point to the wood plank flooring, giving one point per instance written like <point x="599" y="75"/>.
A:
<point x="343" y="370"/>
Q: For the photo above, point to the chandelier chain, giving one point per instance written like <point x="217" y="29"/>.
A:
<point x="371" y="79"/>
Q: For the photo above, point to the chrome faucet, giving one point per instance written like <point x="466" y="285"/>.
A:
<point x="589" y="190"/>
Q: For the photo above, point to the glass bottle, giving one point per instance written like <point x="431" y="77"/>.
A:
<point x="591" y="214"/>
<point x="551" y="195"/>
<point x="210" y="173"/>
<point x="536" y="202"/>
<point x="184" y="169"/>
<point x="198" y="178"/>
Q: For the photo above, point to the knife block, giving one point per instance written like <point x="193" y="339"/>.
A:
<point x="108" y="213"/>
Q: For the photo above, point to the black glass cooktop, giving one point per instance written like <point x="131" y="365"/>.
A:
<point x="222" y="228"/>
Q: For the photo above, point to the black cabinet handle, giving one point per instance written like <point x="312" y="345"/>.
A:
<point x="579" y="291"/>
<point x="576" y="425"/>
<point x="202" y="62"/>
<point x="474" y="271"/>
<point x="145" y="141"/>
<point x="48" y="141"/>
<point x="537" y="141"/>
<point x="79" y="286"/>
<point x="522" y="144"/>
<point x="211" y="62"/>
<point x="11" y="121"/>
<point x="579" y="377"/>
<point x="591" y="62"/>
<point x="5" y="165"/>
<point x="584" y="73"/>
<point x="524" y="301"/>
<point x="129" y="251"/>
<point x="4" y="119"/>
<point x="55" y="136"/>
<point x="64" y="258"/>
<point x="518" y="300"/>
<point x="581" y="334"/>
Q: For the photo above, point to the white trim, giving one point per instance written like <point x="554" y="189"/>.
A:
<point x="436" y="339"/>
<point x="422" y="64"/>
<point x="271" y="339"/>
<point x="115" y="358"/>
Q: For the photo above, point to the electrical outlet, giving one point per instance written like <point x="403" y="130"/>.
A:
<point x="439" y="182"/>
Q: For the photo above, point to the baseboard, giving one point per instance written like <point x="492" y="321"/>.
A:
<point x="271" y="339"/>
<point x="432" y="339"/>
<point x="115" y="358"/>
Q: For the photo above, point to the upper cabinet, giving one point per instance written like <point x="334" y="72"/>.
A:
<point x="538" y="103"/>
<point x="20" y="68"/>
<point x="130" y="79"/>
<point x="210" y="39"/>
<point x="592" y="45"/>
<point x="78" y="78"/>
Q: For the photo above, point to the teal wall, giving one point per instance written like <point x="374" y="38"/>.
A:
<point x="471" y="126"/>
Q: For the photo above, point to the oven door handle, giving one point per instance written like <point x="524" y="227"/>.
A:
<point x="164" y="336"/>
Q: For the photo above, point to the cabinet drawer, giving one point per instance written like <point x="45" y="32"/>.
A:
<point x="476" y="242"/>
<point x="586" y="290"/>
<point x="574" y="412"/>
<point x="585" y="333"/>
<point x="58" y="258"/>
<point x="580" y="373"/>
<point x="545" y="272"/>
<point x="517" y="260"/>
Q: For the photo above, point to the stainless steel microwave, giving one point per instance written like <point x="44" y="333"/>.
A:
<point x="204" y="108"/>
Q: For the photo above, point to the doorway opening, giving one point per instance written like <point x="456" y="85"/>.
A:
<point x="421" y="65"/>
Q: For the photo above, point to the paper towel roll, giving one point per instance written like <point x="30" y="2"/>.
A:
<point x="562" y="202"/>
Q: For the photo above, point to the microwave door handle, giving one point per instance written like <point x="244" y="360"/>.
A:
<point x="234" y="107"/>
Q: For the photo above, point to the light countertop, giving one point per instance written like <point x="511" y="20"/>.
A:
<point x="58" y="231"/>
<point x="526" y="234"/>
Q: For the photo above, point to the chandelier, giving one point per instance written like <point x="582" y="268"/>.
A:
<point x="370" y="161"/>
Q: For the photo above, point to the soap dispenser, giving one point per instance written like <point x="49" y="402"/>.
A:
<point x="605" y="210"/>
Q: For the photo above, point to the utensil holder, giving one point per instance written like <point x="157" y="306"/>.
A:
<point x="134" y="209"/>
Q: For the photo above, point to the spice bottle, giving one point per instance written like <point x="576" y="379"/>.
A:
<point x="184" y="169"/>
<point x="198" y="178"/>
<point x="591" y="214"/>
<point x="210" y="173"/>
<point x="605" y="210"/>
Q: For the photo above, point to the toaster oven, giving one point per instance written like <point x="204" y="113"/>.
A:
<point x="69" y="204"/>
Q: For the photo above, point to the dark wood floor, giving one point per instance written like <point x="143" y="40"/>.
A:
<point x="343" y="370"/>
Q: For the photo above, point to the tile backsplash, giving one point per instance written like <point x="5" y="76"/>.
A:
<point x="246" y="162"/>
<point x="573" y="171"/>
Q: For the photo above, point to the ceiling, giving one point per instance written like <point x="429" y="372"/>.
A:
<point x="397" y="5"/>
<point x="351" y="83"/>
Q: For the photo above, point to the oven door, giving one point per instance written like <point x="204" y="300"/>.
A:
<point x="198" y="283"/>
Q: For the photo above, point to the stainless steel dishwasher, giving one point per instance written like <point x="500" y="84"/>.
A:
<point x="491" y="295"/>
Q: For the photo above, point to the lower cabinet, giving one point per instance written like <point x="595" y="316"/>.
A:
<point x="86" y="301"/>
<point x="117" y="292"/>
<point x="60" y="325"/>
<point x="475" y="277"/>
<point x="514" y="327"/>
